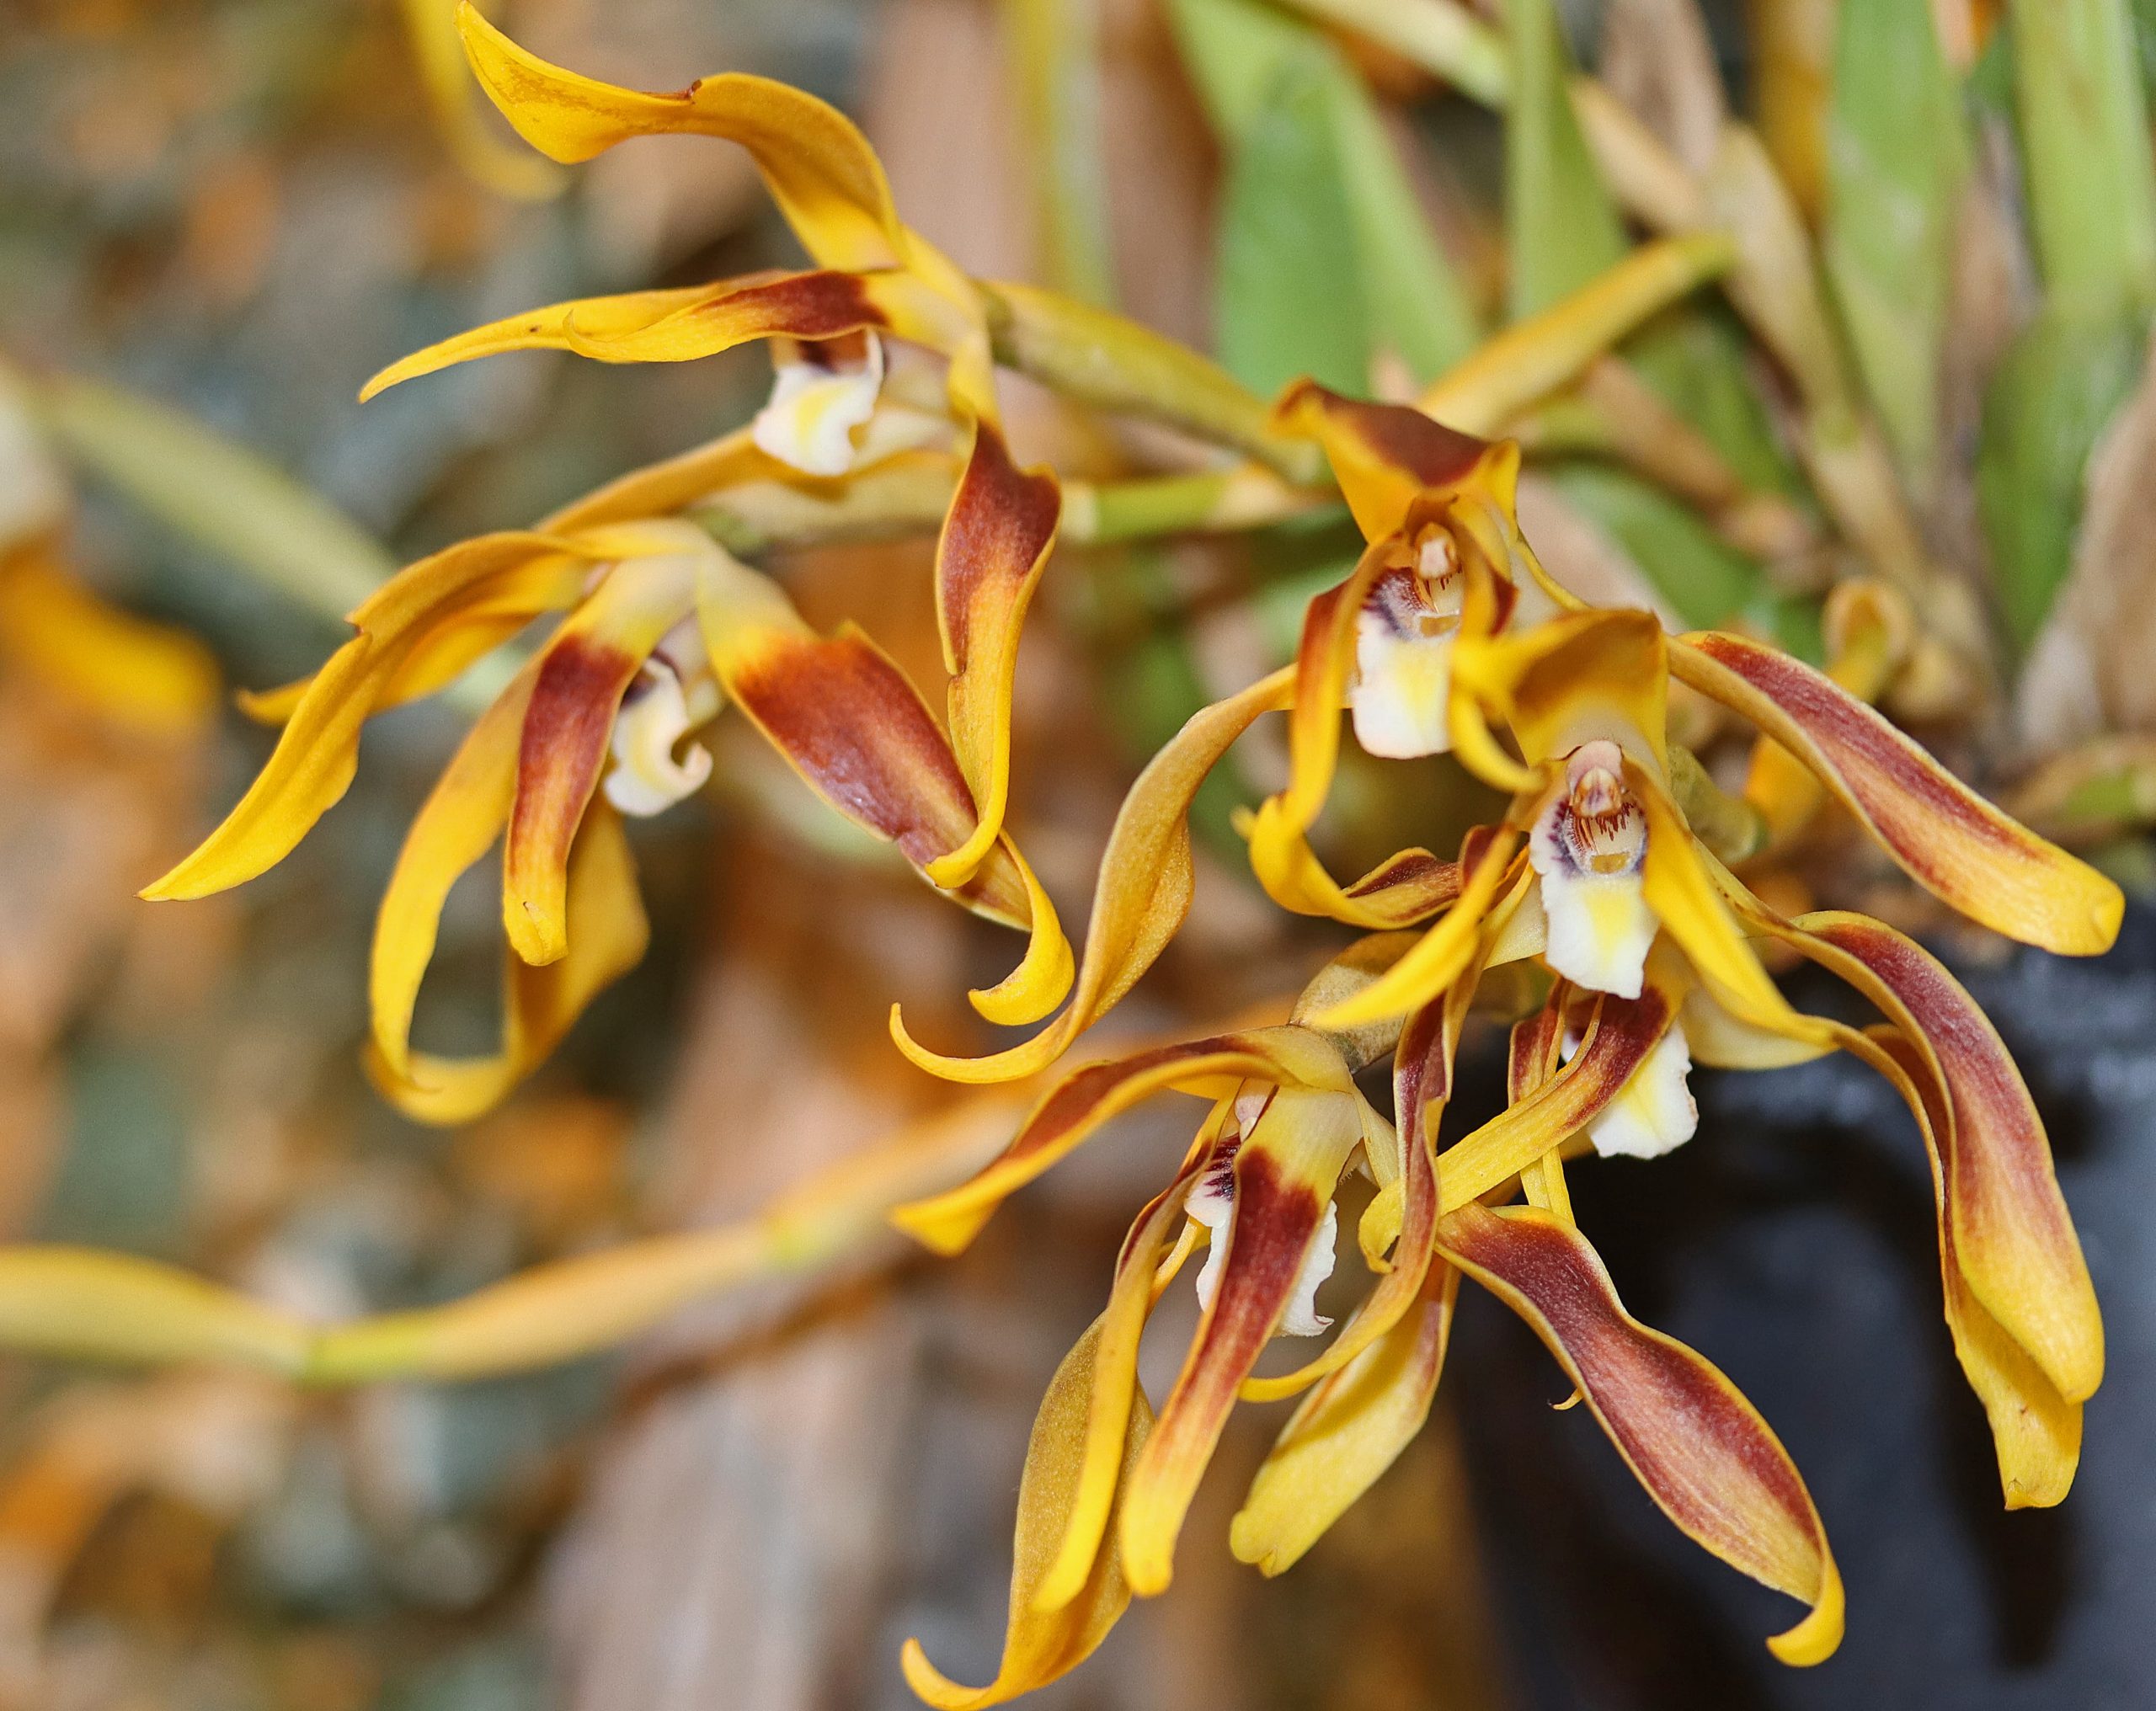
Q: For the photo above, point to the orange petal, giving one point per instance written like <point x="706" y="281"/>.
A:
<point x="1040" y="1645"/>
<point x="816" y="163"/>
<point x="1945" y="837"/>
<point x="1285" y="1172"/>
<point x="1092" y="1095"/>
<point x="1701" y="1450"/>
<point x="995" y="544"/>
<point x="539" y="1004"/>
<point x="1347" y="1432"/>
<point x="2012" y="1235"/>
<point x="1143" y="892"/>
<point x="315" y="759"/>
<point x="1387" y="455"/>
<point x="680" y="325"/>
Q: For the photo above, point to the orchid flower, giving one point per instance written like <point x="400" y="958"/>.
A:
<point x="661" y="627"/>
<point x="874" y="277"/>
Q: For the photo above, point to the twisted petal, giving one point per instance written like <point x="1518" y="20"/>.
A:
<point x="1619" y="1039"/>
<point x="1385" y="456"/>
<point x="995" y="544"/>
<point x="539" y="1004"/>
<point x="569" y="728"/>
<point x="316" y="757"/>
<point x="816" y="163"/>
<point x="847" y="719"/>
<point x="1143" y="892"/>
<point x="1710" y="1462"/>
<point x="1040" y="1645"/>
<point x="679" y="325"/>
<point x="1285" y="1172"/>
<point x="1945" y="837"/>
<point x="2012" y="1236"/>
<point x="1442" y="954"/>
<point x="1347" y="1432"/>
<point x="1287" y="1056"/>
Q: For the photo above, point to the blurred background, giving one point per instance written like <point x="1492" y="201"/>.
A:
<point x="217" y="217"/>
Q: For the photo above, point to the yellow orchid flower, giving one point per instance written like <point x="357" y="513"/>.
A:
<point x="874" y="276"/>
<point x="660" y="628"/>
<point x="1109" y="1482"/>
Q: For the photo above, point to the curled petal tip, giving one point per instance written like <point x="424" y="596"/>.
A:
<point x="1819" y="1635"/>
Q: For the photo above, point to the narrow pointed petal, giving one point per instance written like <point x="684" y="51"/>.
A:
<point x="568" y="728"/>
<point x="457" y="824"/>
<point x="1573" y="678"/>
<point x="1685" y="898"/>
<point x="1618" y="1042"/>
<point x="1285" y="1173"/>
<point x="1090" y="1097"/>
<point x="1104" y="1452"/>
<point x="680" y="325"/>
<point x="1143" y="892"/>
<point x="1944" y="836"/>
<point x="1440" y="955"/>
<point x="1712" y="1464"/>
<point x="2013" y="1238"/>
<point x="315" y="759"/>
<point x="848" y="721"/>
<point x="1041" y="1645"/>
<point x="2035" y="1431"/>
<point x="816" y="163"/>
<point x="540" y="1004"/>
<point x="1421" y="1080"/>
<point x="1385" y="456"/>
<point x="1347" y="1432"/>
<point x="995" y="541"/>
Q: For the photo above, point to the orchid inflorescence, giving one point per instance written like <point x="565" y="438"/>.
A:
<point x="1609" y="914"/>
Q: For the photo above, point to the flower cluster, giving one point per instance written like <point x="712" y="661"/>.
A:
<point x="1609" y="890"/>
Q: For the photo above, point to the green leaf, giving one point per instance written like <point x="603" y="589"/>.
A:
<point x="1561" y="226"/>
<point x="218" y="493"/>
<point x="2060" y="383"/>
<point x="1897" y="155"/>
<point x="2087" y="170"/>
<point x="1707" y="582"/>
<point x="1290" y="302"/>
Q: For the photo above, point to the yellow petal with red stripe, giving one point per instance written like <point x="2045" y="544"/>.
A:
<point x="1385" y="456"/>
<point x="1143" y="892"/>
<point x="1039" y="1645"/>
<point x="1944" y="836"/>
<point x="996" y="542"/>
<point x="1712" y="1464"/>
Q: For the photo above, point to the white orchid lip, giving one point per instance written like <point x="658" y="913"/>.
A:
<point x="662" y="706"/>
<point x="1655" y="1113"/>
<point x="820" y="393"/>
<point x="1404" y="635"/>
<point x="1589" y="847"/>
<point x="1212" y="1203"/>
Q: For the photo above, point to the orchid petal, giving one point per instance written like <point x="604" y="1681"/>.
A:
<point x="318" y="754"/>
<point x="1571" y="679"/>
<point x="819" y="397"/>
<point x="848" y="720"/>
<point x="1944" y="836"/>
<point x="995" y="544"/>
<point x="157" y="680"/>
<point x="2013" y="1238"/>
<point x="1347" y="1432"/>
<point x="1385" y="456"/>
<point x="1712" y="1464"/>
<point x="1143" y="892"/>
<point x="569" y="728"/>
<point x="684" y="324"/>
<point x="816" y="163"/>
<point x="1040" y="1645"/>
<point x="539" y="1004"/>
<point x="1087" y="1098"/>
<point x="1285" y="1172"/>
